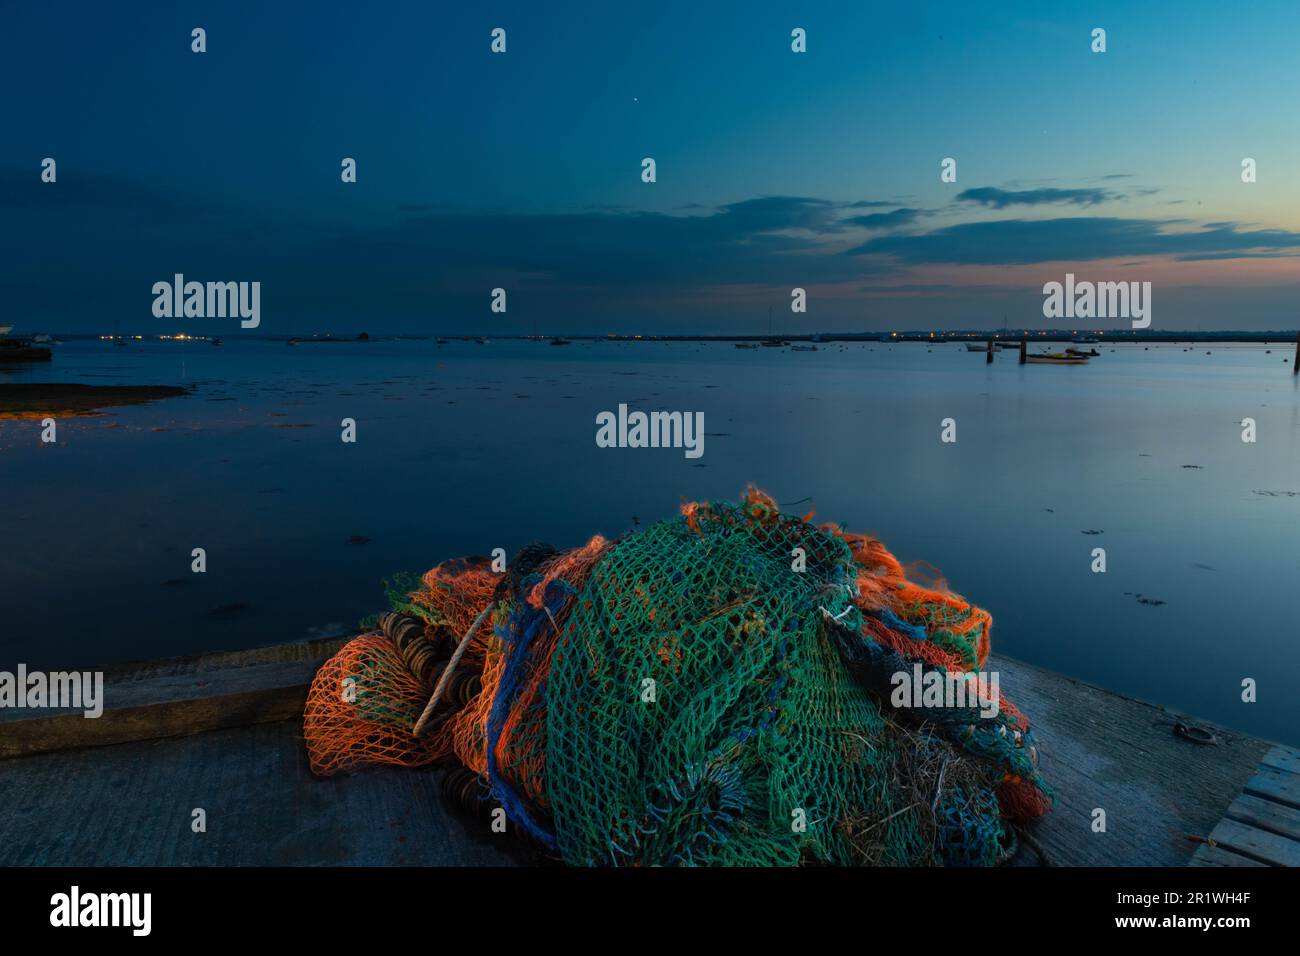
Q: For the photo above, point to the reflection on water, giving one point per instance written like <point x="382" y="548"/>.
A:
<point x="463" y="448"/>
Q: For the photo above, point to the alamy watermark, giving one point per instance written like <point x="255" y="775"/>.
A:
<point x="179" y="299"/>
<point x="75" y="908"/>
<point x="1098" y="300"/>
<point x="68" y="690"/>
<point x="942" y="688"/>
<point x="653" y="430"/>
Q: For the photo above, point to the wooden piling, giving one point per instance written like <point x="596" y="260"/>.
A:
<point x="1024" y="351"/>
<point x="988" y="356"/>
<point x="1295" y="368"/>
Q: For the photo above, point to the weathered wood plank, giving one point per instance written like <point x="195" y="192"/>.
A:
<point x="1217" y="856"/>
<point x="1277" y="785"/>
<point x="1266" y="815"/>
<point x="314" y="650"/>
<point x="164" y="706"/>
<point x="1099" y="750"/>
<point x="1259" y="844"/>
<point x="132" y="805"/>
<point x="1283" y="758"/>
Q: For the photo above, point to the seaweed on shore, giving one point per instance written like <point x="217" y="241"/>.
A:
<point x="37" y="400"/>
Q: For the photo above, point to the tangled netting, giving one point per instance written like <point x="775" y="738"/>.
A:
<point x="712" y="689"/>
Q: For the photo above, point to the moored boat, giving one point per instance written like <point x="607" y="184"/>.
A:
<point x="21" y="350"/>
<point x="16" y="350"/>
<point x="1056" y="358"/>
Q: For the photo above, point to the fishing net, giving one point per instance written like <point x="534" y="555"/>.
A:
<point x="712" y="690"/>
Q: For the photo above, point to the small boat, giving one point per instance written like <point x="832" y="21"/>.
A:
<point x="118" y="340"/>
<point x="772" y="342"/>
<point x="972" y="347"/>
<point x="560" y="341"/>
<point x="441" y="341"/>
<point x="217" y="342"/>
<point x="20" y="350"/>
<point x="1056" y="358"/>
<point x="1091" y="353"/>
<point x="480" y="342"/>
<point x="803" y="348"/>
<point x="746" y="345"/>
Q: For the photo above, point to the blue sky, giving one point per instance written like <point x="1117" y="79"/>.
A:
<point x="775" y="169"/>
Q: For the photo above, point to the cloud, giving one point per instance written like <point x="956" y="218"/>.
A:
<point x="426" y="257"/>
<point x="1018" y="241"/>
<point x="885" y="220"/>
<point x="1002" y="198"/>
<point x="756" y="241"/>
<point x="773" y="213"/>
<point x="423" y="263"/>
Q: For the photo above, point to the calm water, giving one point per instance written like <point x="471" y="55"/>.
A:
<point x="464" y="448"/>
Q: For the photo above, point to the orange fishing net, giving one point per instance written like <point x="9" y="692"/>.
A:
<point x="770" y="697"/>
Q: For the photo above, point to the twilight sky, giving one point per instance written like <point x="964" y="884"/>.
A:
<point x="523" y="170"/>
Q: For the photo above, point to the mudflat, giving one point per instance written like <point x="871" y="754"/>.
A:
<point x="58" y="399"/>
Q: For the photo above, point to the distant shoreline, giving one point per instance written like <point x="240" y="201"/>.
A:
<point x="1281" y="337"/>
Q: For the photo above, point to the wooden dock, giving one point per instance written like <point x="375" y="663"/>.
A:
<point x="223" y="733"/>
<point x="1262" y="826"/>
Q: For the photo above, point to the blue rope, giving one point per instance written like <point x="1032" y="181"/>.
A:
<point x="517" y="634"/>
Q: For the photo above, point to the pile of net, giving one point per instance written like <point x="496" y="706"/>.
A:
<point x="715" y="689"/>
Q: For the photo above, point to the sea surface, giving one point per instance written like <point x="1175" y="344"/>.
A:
<point x="463" y="448"/>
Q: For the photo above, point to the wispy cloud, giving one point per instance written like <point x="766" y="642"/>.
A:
<point x="1002" y="198"/>
<point x="1077" y="239"/>
<point x="885" y="220"/>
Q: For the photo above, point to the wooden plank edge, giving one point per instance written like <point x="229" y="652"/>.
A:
<point x="316" y="648"/>
<point x="177" y="717"/>
<point x="1265" y="814"/>
<point x="1207" y="855"/>
<point x="1268" y="848"/>
<point x="1275" y="785"/>
<point x="1286" y="759"/>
